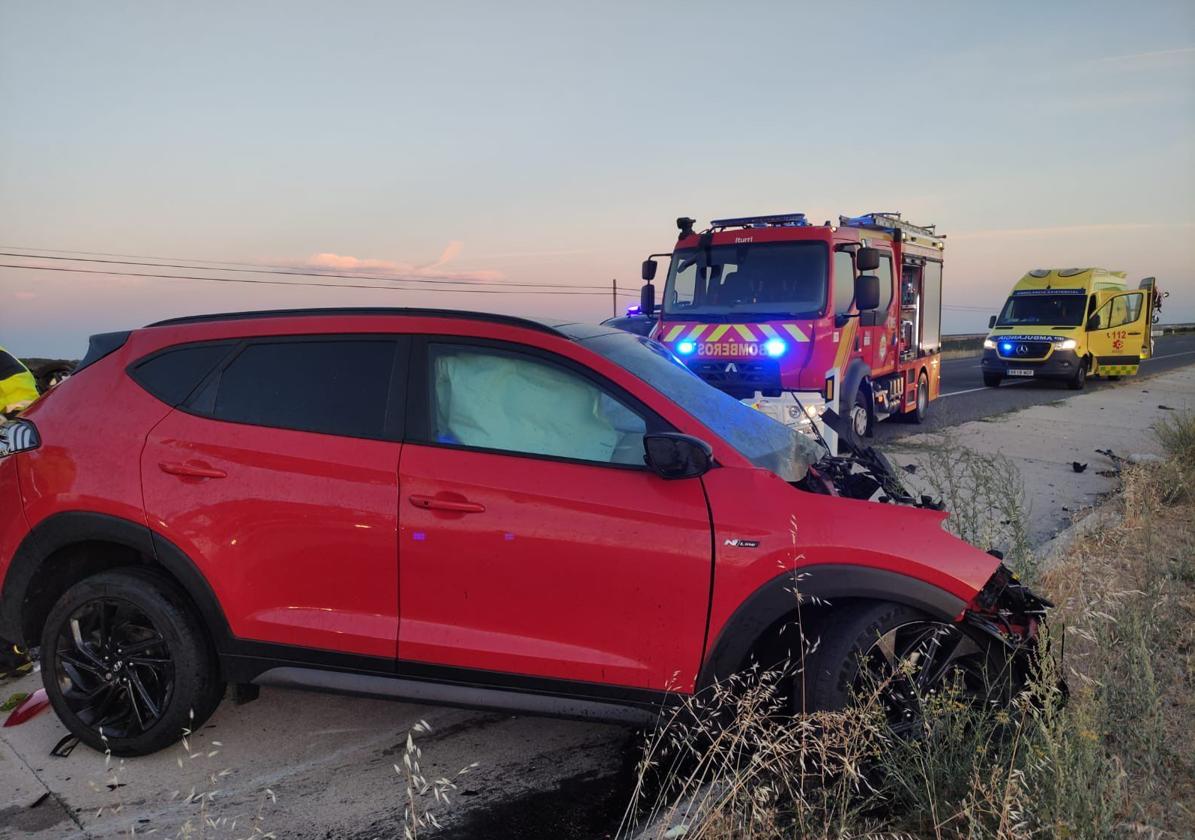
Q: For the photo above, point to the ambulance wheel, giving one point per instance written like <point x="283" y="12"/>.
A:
<point x="918" y="414"/>
<point x="1079" y="380"/>
<point x="992" y="380"/>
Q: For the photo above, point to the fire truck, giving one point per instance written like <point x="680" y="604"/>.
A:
<point x="793" y="318"/>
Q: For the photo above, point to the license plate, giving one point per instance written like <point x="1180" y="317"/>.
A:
<point x="1020" y="372"/>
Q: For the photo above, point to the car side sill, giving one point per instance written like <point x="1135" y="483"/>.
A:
<point x="469" y="697"/>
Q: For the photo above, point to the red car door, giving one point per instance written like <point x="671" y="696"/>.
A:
<point x="278" y="478"/>
<point x="532" y="540"/>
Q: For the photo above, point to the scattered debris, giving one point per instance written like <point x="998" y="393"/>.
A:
<point x="65" y="746"/>
<point x="1166" y="407"/>
<point x="909" y="468"/>
<point x="1077" y="467"/>
<point x="1109" y="473"/>
<point x="1116" y="459"/>
<point x="30" y="707"/>
<point x="13" y="701"/>
<point x="45" y="795"/>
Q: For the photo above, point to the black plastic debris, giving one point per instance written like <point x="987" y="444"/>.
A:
<point x="909" y="468"/>
<point x="1167" y="408"/>
<point x="1077" y="467"/>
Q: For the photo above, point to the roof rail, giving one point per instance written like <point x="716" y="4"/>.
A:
<point x="510" y="320"/>
<point x="890" y="222"/>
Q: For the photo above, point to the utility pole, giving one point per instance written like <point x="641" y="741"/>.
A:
<point x="614" y="297"/>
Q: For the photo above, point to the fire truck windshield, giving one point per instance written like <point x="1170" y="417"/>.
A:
<point x="786" y="279"/>
<point x="1060" y="309"/>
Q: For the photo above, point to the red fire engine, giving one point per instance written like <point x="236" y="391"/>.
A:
<point x="793" y="318"/>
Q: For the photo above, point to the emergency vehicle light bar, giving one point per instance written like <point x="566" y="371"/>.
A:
<point x="890" y="222"/>
<point x="782" y="220"/>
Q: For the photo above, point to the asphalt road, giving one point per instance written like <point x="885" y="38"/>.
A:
<point x="965" y="398"/>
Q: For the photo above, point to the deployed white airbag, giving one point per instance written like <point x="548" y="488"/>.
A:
<point x="520" y="405"/>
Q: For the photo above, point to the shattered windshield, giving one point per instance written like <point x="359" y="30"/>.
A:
<point x="1053" y="308"/>
<point x="783" y="278"/>
<point x="764" y="442"/>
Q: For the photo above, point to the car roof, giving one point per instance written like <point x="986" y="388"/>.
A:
<point x="510" y="320"/>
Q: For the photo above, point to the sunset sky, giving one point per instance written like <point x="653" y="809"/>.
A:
<point x="555" y="143"/>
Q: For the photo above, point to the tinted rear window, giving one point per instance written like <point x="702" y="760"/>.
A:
<point x="337" y="387"/>
<point x="171" y="376"/>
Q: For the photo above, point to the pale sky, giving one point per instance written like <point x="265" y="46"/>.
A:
<point x="555" y="143"/>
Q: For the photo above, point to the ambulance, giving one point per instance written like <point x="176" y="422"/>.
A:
<point x="1066" y="324"/>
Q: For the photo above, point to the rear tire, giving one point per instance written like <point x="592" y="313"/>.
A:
<point x="126" y="663"/>
<point x="921" y="411"/>
<point x="992" y="380"/>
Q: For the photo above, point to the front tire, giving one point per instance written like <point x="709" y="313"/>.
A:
<point x="904" y="655"/>
<point x="126" y="663"/>
<point x="859" y="419"/>
<point x="1079" y="381"/>
<point x="992" y="380"/>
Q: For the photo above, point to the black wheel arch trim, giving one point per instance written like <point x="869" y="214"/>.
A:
<point x="67" y="528"/>
<point x="776" y="600"/>
<point x="856" y="372"/>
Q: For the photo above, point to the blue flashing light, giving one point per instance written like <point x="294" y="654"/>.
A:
<point x="775" y="347"/>
<point x="633" y="309"/>
<point x="686" y="348"/>
<point x="1006" y="347"/>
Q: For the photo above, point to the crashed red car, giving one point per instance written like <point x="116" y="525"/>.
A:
<point x="451" y="507"/>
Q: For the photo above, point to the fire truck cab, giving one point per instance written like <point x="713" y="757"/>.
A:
<point x="792" y="318"/>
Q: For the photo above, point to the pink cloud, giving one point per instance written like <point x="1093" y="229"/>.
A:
<point x="25" y="295"/>
<point x="366" y="267"/>
<point x="340" y="262"/>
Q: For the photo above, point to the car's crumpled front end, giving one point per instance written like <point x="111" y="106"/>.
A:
<point x="1009" y="612"/>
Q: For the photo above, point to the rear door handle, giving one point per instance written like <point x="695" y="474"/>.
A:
<point x="432" y="503"/>
<point x="191" y="470"/>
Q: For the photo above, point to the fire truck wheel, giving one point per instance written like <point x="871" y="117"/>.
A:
<point x="918" y="414"/>
<point x="992" y="380"/>
<point x="1079" y="380"/>
<point x="860" y="418"/>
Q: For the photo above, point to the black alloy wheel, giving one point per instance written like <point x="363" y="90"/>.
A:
<point x="901" y="658"/>
<point x="914" y="662"/>
<point x="114" y="669"/>
<point x="126" y="662"/>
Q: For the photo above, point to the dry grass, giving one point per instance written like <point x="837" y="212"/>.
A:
<point x="1116" y="761"/>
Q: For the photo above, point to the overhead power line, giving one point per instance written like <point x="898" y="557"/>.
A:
<point x="302" y="283"/>
<point x="446" y="281"/>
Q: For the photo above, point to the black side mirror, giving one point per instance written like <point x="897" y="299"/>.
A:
<point x="991" y="322"/>
<point x="867" y="292"/>
<point x="1093" y="323"/>
<point x="673" y="455"/>
<point x="647" y="299"/>
<point x="648" y="272"/>
<point x="867" y="259"/>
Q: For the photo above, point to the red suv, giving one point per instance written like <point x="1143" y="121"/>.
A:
<point x="448" y="507"/>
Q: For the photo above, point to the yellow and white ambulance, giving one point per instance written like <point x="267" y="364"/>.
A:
<point x="1071" y="323"/>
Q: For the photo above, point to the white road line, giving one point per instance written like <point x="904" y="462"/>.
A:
<point x="984" y="388"/>
<point x="1023" y="381"/>
<point x="1169" y="356"/>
